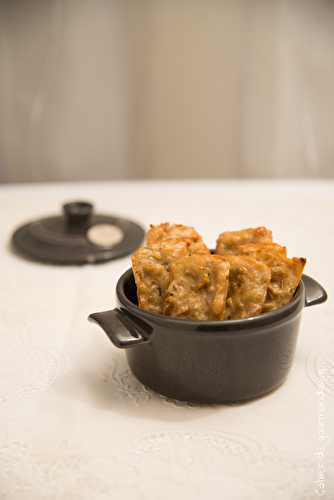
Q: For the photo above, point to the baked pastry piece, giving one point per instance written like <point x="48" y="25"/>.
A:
<point x="164" y="231"/>
<point x="168" y="235"/>
<point x="177" y="276"/>
<point x="228" y="243"/>
<point x="285" y="273"/>
<point x="198" y="288"/>
<point x="251" y="249"/>
<point x="248" y="283"/>
<point x="172" y="249"/>
<point x="285" y="277"/>
<point x="151" y="277"/>
<point x="151" y="266"/>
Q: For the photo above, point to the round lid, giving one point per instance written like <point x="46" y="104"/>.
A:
<point x="78" y="236"/>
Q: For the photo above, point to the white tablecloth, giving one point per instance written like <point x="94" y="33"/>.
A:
<point x="74" y="422"/>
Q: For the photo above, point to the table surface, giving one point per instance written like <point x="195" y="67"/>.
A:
<point x="76" y="425"/>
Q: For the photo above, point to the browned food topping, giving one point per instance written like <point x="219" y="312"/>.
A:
<point x="152" y="279"/>
<point x="157" y="234"/>
<point x="252" y="249"/>
<point x="198" y="288"/>
<point x="285" y="277"/>
<point x="248" y="283"/>
<point x="285" y="273"/>
<point x="175" y="241"/>
<point x="177" y="276"/>
<point x="172" y="249"/>
<point x="228" y="243"/>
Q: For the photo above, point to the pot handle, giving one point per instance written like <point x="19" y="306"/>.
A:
<point x="314" y="292"/>
<point x="122" y="329"/>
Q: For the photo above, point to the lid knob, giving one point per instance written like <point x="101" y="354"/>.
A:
<point x="77" y="214"/>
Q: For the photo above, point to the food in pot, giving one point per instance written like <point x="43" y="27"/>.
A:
<point x="152" y="279"/>
<point x="228" y="243"/>
<point x="166" y="243"/>
<point x="176" y="248"/>
<point x="197" y="288"/>
<point x="285" y="276"/>
<point x="167" y="231"/>
<point x="176" y="274"/>
<point x="252" y="249"/>
<point x="248" y="283"/>
<point x="175" y="240"/>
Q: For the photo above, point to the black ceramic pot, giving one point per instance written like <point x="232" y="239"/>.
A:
<point x="207" y="361"/>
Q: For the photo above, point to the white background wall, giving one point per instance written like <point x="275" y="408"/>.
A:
<point x="100" y="89"/>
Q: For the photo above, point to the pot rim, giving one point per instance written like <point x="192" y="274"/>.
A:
<point x="236" y="324"/>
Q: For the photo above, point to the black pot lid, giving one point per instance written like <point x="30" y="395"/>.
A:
<point x="78" y="236"/>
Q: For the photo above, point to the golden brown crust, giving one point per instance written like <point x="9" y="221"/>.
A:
<point x="151" y="277"/>
<point x="251" y="249"/>
<point x="198" y="288"/>
<point x="176" y="248"/>
<point x="285" y="273"/>
<point x="177" y="276"/>
<point x="285" y="277"/>
<point x="248" y="283"/>
<point x="157" y="234"/>
<point x="228" y="243"/>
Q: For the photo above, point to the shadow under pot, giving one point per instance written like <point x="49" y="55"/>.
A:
<point x="207" y="361"/>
